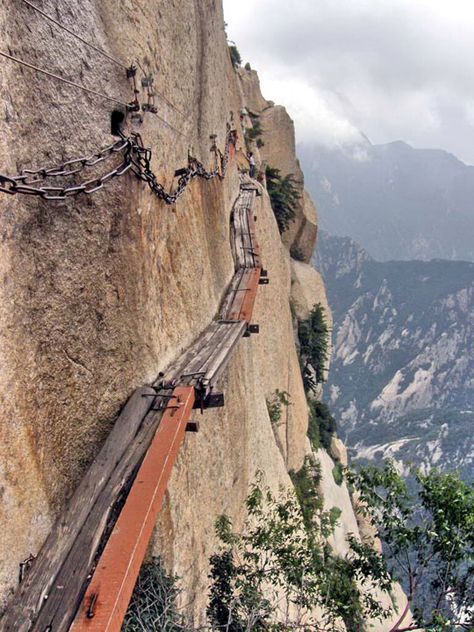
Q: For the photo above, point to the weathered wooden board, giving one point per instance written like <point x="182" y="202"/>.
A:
<point x="30" y="596"/>
<point x="223" y="355"/>
<point x="231" y="293"/>
<point x="66" y="592"/>
<point x="112" y="584"/>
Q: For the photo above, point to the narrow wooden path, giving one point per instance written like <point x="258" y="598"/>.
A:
<point x="84" y="575"/>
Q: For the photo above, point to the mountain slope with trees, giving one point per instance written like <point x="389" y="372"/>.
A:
<point x="402" y="375"/>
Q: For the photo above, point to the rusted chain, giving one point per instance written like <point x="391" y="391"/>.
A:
<point x="135" y="157"/>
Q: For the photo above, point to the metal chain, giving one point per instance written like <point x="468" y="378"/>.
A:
<point x="136" y="157"/>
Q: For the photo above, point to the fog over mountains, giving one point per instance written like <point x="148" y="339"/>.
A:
<point x="397" y="202"/>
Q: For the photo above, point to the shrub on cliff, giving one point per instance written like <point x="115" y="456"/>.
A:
<point x="254" y="133"/>
<point x="284" y="196"/>
<point x="279" y="568"/>
<point x="321" y="425"/>
<point x="275" y="405"/>
<point x="235" y="57"/>
<point x="313" y="334"/>
<point x="154" y="601"/>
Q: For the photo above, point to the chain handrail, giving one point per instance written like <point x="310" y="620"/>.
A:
<point x="136" y="157"/>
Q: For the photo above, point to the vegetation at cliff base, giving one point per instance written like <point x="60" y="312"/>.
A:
<point x="277" y="570"/>
<point x="306" y="482"/>
<point x="284" y="196"/>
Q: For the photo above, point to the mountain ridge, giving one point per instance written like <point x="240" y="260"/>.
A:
<point x="398" y="202"/>
<point x="401" y="369"/>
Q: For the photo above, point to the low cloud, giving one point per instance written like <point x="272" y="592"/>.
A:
<point x="394" y="69"/>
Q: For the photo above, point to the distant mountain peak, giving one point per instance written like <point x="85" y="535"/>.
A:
<point x="397" y="201"/>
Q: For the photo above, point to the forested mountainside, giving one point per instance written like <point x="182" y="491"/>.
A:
<point x="402" y="374"/>
<point x="396" y="201"/>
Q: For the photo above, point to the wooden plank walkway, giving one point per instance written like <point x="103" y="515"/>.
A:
<point x="108" y="595"/>
<point x="86" y="570"/>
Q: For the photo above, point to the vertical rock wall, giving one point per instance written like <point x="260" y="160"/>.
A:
<point x="98" y="293"/>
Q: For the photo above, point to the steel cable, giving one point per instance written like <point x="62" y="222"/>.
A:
<point x="81" y="39"/>
<point x="59" y="78"/>
<point x="97" y="49"/>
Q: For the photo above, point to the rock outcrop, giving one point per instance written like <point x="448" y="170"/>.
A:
<point x="279" y="150"/>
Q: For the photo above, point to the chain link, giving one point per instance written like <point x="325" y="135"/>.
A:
<point x="136" y="157"/>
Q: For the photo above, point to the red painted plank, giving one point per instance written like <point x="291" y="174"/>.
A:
<point x="242" y="306"/>
<point x="113" y="581"/>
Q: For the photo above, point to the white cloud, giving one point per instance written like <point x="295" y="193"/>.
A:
<point x="317" y="116"/>
<point x="391" y="68"/>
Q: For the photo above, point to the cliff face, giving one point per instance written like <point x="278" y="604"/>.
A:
<point x="99" y="293"/>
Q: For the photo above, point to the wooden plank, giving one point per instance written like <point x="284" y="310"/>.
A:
<point x="246" y="311"/>
<point x="114" y="578"/>
<point x="242" y="309"/>
<point x="239" y="296"/>
<point x="201" y="351"/>
<point x="174" y="371"/>
<point x="31" y="593"/>
<point x="239" y="240"/>
<point x="230" y="295"/>
<point x="66" y="593"/>
<point x="222" y="359"/>
<point x="225" y="330"/>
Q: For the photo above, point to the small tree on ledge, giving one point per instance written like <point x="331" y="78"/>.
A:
<point x="313" y="334"/>
<point x="284" y="196"/>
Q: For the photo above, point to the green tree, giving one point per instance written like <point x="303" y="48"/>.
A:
<point x="427" y="526"/>
<point x="284" y="196"/>
<point x="235" y="57"/>
<point x="313" y="335"/>
<point x="321" y="425"/>
<point x="272" y="574"/>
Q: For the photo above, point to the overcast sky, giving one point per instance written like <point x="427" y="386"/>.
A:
<point x="394" y="69"/>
